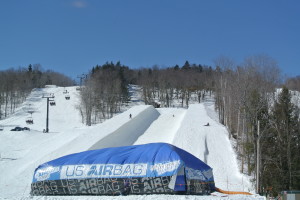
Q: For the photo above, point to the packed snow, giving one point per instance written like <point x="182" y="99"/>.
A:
<point x="22" y="151"/>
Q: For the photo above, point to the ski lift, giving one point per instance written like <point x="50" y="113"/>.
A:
<point x="52" y="103"/>
<point x="67" y="97"/>
<point x="29" y="120"/>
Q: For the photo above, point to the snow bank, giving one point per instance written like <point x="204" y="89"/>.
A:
<point x="50" y="86"/>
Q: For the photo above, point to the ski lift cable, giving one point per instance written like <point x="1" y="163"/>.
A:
<point x="17" y="118"/>
<point x="11" y="119"/>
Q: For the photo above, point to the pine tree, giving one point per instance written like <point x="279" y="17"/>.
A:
<point x="286" y="142"/>
<point x="186" y="66"/>
<point x="30" y="68"/>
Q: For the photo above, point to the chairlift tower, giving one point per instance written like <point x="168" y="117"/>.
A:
<point x="49" y="97"/>
<point x="81" y="77"/>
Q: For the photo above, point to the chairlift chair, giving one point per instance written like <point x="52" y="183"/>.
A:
<point x="67" y="97"/>
<point x="52" y="103"/>
<point x="29" y="120"/>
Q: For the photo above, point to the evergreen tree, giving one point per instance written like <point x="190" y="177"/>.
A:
<point x="30" y="68"/>
<point x="186" y="66"/>
<point x="286" y="143"/>
<point x="176" y="67"/>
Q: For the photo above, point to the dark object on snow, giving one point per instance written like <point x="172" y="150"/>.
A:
<point x="207" y="124"/>
<point x="156" y="168"/>
<point x="130" y="116"/>
<point x="156" y="105"/>
<point x="17" y="128"/>
<point x="26" y="129"/>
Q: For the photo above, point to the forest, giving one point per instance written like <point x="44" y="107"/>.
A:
<point x="252" y="99"/>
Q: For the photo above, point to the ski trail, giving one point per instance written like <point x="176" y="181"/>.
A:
<point x="164" y="128"/>
<point x="211" y="144"/>
<point x="190" y="136"/>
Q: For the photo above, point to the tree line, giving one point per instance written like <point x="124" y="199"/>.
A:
<point x="106" y="87"/>
<point x="104" y="92"/>
<point x="263" y="120"/>
<point x="16" y="85"/>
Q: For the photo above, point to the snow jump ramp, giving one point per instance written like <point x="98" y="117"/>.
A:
<point x="130" y="131"/>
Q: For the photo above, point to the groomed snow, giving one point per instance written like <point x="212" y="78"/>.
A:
<point x="21" y="152"/>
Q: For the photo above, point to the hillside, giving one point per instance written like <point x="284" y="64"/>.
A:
<point x="21" y="152"/>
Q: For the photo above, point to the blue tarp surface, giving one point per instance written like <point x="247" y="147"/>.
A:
<point x="149" y="160"/>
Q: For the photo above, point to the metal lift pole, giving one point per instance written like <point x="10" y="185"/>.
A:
<point x="81" y="77"/>
<point x="47" y="118"/>
<point x="51" y="96"/>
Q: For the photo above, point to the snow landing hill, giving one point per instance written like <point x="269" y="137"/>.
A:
<point x="22" y="151"/>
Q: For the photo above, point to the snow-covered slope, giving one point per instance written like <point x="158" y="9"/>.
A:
<point x="21" y="152"/>
<point x="164" y="128"/>
<point x="62" y="116"/>
<point x="211" y="144"/>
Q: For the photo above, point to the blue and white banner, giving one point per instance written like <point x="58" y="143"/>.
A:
<point x="106" y="171"/>
<point x="103" y="171"/>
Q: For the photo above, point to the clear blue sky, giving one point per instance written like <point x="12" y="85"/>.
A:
<point x="72" y="36"/>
